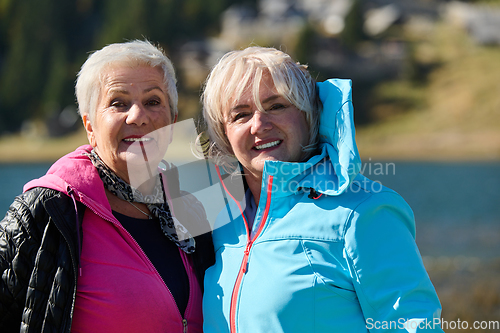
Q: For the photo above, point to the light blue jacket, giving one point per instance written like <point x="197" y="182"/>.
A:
<point x="343" y="259"/>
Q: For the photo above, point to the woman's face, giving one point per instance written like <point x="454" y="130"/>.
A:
<point x="133" y="104"/>
<point x="277" y="134"/>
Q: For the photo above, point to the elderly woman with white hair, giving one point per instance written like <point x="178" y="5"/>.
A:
<point x="94" y="245"/>
<point x="315" y="246"/>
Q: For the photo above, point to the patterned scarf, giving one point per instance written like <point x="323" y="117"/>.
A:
<point x="156" y="203"/>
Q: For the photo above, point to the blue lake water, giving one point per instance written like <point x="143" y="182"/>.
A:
<point x="456" y="205"/>
<point x="13" y="177"/>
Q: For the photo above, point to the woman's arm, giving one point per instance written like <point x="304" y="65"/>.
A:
<point x="18" y="239"/>
<point x="390" y="279"/>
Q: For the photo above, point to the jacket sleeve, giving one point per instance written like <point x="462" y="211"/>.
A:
<point x="19" y="237"/>
<point x="392" y="285"/>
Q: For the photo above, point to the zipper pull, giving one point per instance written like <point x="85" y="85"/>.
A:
<point x="185" y="325"/>
<point x="245" y="265"/>
<point x="313" y="194"/>
<point x="245" y="257"/>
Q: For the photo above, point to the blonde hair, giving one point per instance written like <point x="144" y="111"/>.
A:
<point x="229" y="78"/>
<point x="132" y="54"/>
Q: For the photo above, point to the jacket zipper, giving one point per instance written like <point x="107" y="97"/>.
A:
<point x="184" y="321"/>
<point x="244" y="264"/>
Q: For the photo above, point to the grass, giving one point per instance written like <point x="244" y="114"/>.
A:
<point x="468" y="288"/>
<point x="454" y="115"/>
<point x="21" y="148"/>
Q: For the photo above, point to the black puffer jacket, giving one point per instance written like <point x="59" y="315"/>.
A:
<point x="38" y="262"/>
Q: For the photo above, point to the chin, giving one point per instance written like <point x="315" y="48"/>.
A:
<point x="273" y="158"/>
<point x="139" y="170"/>
<point x="259" y="166"/>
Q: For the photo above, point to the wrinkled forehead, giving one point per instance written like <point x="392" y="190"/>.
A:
<point x="119" y="67"/>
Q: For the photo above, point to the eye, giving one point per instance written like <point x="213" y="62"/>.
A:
<point x="239" y="116"/>
<point x="277" y="106"/>
<point x="118" y="103"/>
<point x="153" y="102"/>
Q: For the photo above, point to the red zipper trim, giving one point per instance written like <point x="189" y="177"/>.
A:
<point x="235" y="201"/>
<point x="244" y="263"/>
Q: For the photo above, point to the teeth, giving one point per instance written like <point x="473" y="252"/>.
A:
<point x="268" y="145"/>
<point x="137" y="139"/>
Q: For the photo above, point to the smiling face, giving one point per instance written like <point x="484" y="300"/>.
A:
<point x="133" y="104"/>
<point x="276" y="133"/>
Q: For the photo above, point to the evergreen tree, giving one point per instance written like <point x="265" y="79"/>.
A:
<point x="43" y="43"/>
<point x="353" y="30"/>
<point x="37" y="72"/>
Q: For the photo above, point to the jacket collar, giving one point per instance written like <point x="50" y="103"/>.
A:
<point x="75" y="172"/>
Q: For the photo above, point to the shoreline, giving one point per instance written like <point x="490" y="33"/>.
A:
<point x="410" y="147"/>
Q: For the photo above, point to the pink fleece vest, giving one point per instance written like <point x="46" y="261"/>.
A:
<point x="121" y="291"/>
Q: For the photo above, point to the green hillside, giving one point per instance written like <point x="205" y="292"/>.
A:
<point x="454" y="114"/>
<point x="451" y="113"/>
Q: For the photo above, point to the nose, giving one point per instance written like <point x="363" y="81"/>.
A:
<point x="260" y="122"/>
<point x="137" y="115"/>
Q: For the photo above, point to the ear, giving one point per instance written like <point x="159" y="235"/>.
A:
<point x="90" y="130"/>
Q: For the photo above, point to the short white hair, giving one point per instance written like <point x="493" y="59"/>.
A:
<point x="237" y="70"/>
<point x="132" y="54"/>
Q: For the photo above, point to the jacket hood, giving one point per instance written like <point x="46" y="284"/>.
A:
<point x="74" y="173"/>
<point x="336" y="131"/>
<point x="337" y="144"/>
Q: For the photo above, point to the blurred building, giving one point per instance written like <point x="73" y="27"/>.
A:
<point x="481" y="21"/>
<point x="381" y="55"/>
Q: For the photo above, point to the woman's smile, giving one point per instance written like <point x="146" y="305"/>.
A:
<point x="266" y="146"/>
<point x="138" y="139"/>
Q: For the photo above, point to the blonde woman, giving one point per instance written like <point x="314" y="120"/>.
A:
<point x="318" y="247"/>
